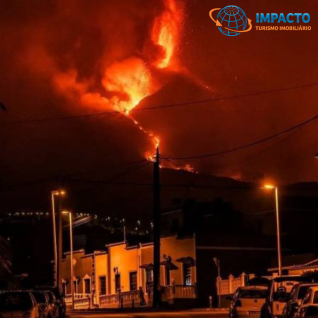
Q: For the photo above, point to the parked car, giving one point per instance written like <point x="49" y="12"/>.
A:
<point x="60" y="302"/>
<point x="310" y="311"/>
<point x="297" y="295"/>
<point x="247" y="301"/>
<point x="57" y="298"/>
<point x="279" y="294"/>
<point x="310" y="300"/>
<point x="18" y="304"/>
<point x="53" y="304"/>
<point x="46" y="309"/>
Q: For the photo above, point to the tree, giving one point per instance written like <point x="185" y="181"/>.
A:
<point x="5" y="257"/>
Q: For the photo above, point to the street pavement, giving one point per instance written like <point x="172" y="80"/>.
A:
<point x="161" y="314"/>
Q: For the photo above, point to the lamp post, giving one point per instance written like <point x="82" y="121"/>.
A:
<point x="53" y="194"/>
<point x="279" y="252"/>
<point x="71" y="254"/>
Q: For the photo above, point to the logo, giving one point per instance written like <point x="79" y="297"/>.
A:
<point x="231" y="20"/>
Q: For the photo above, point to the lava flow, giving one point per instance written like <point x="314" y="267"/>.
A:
<point x="131" y="80"/>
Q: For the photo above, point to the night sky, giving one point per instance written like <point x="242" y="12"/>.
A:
<point x="67" y="58"/>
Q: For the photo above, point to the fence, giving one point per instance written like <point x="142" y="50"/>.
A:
<point x="129" y="299"/>
<point x="230" y="285"/>
<point x="81" y="301"/>
<point x="189" y="291"/>
<point x="169" y="293"/>
<point x="132" y="299"/>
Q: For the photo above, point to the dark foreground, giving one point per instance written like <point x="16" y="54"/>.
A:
<point x="163" y="314"/>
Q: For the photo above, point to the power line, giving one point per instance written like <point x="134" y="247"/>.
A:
<point x="217" y="99"/>
<point x="26" y="184"/>
<point x="123" y="165"/>
<point x="43" y="120"/>
<point x="157" y="107"/>
<point x="135" y="165"/>
<point x="111" y="179"/>
<point x="254" y="143"/>
<point x="265" y="152"/>
<point x="132" y="169"/>
<point x="248" y="186"/>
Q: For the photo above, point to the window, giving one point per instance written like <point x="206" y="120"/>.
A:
<point x="149" y="280"/>
<point x="149" y="276"/>
<point x="64" y="288"/>
<point x="252" y="293"/>
<point x="186" y="274"/>
<point x="167" y="276"/>
<point x="117" y="283"/>
<point x="75" y="286"/>
<point x="87" y="286"/>
<point x="315" y="301"/>
<point x="102" y="285"/>
<point x="133" y="280"/>
<point x="302" y="292"/>
<point x="307" y="297"/>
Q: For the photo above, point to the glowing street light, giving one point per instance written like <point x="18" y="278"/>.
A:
<point x="71" y="253"/>
<point x="269" y="186"/>
<point x="272" y="187"/>
<point x="53" y="195"/>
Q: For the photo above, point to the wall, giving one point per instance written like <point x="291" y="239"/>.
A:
<point x="175" y="248"/>
<point x="66" y="270"/>
<point x="101" y="269"/>
<point x="126" y="261"/>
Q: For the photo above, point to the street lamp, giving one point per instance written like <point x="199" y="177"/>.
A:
<point x="272" y="187"/>
<point x="71" y="254"/>
<point x="53" y="194"/>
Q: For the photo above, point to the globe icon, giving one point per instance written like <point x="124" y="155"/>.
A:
<point x="233" y="18"/>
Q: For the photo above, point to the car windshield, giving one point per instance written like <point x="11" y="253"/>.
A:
<point x="39" y="297"/>
<point x="15" y="301"/>
<point x="252" y="293"/>
<point x="281" y="296"/>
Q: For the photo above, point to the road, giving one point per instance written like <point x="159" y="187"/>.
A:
<point x="175" y="314"/>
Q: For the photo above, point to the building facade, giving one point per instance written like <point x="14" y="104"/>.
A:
<point x="122" y="275"/>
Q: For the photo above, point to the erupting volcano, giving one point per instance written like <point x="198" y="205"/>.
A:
<point x="131" y="80"/>
<point x="126" y="82"/>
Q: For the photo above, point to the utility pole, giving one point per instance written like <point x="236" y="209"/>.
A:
<point x="60" y="236"/>
<point x="53" y="193"/>
<point x="60" y="243"/>
<point x="279" y="251"/>
<point x="156" y="231"/>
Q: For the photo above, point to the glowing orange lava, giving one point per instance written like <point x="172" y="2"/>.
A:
<point x="130" y="81"/>
<point x="165" y="32"/>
